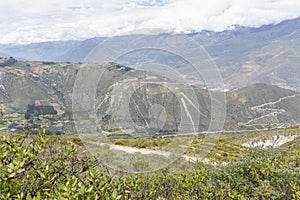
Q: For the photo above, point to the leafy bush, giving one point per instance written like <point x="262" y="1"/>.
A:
<point x="47" y="167"/>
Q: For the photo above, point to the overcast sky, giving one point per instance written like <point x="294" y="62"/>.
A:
<point x="26" y="21"/>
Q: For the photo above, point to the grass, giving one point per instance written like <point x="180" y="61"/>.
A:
<point x="259" y="135"/>
<point x="223" y="148"/>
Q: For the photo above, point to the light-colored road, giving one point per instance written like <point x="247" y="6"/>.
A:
<point x="133" y="150"/>
<point x="270" y="115"/>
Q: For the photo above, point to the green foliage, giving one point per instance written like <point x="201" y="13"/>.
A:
<point x="51" y="167"/>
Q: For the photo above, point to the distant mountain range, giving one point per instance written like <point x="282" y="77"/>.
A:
<point x="36" y="95"/>
<point x="268" y="54"/>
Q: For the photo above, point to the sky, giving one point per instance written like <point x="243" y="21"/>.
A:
<point x="29" y="21"/>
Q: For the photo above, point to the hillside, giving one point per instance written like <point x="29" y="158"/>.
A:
<point x="268" y="54"/>
<point x="35" y="95"/>
<point x="262" y="106"/>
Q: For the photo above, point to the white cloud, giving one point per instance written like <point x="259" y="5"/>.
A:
<point x="42" y="20"/>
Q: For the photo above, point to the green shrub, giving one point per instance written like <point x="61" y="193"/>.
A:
<point x="52" y="167"/>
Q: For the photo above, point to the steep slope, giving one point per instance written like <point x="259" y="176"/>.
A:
<point x="268" y="54"/>
<point x="34" y="95"/>
<point x="277" y="62"/>
<point x="262" y="106"/>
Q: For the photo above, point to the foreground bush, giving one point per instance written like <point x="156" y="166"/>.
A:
<point x="40" y="167"/>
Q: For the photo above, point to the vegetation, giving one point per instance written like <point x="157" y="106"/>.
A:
<point x="40" y="167"/>
<point x="8" y="62"/>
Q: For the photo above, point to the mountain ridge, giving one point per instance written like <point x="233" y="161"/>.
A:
<point x="268" y="54"/>
<point x="30" y="92"/>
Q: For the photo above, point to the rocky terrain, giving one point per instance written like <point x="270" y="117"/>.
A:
<point x="35" y="95"/>
<point x="273" y="142"/>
